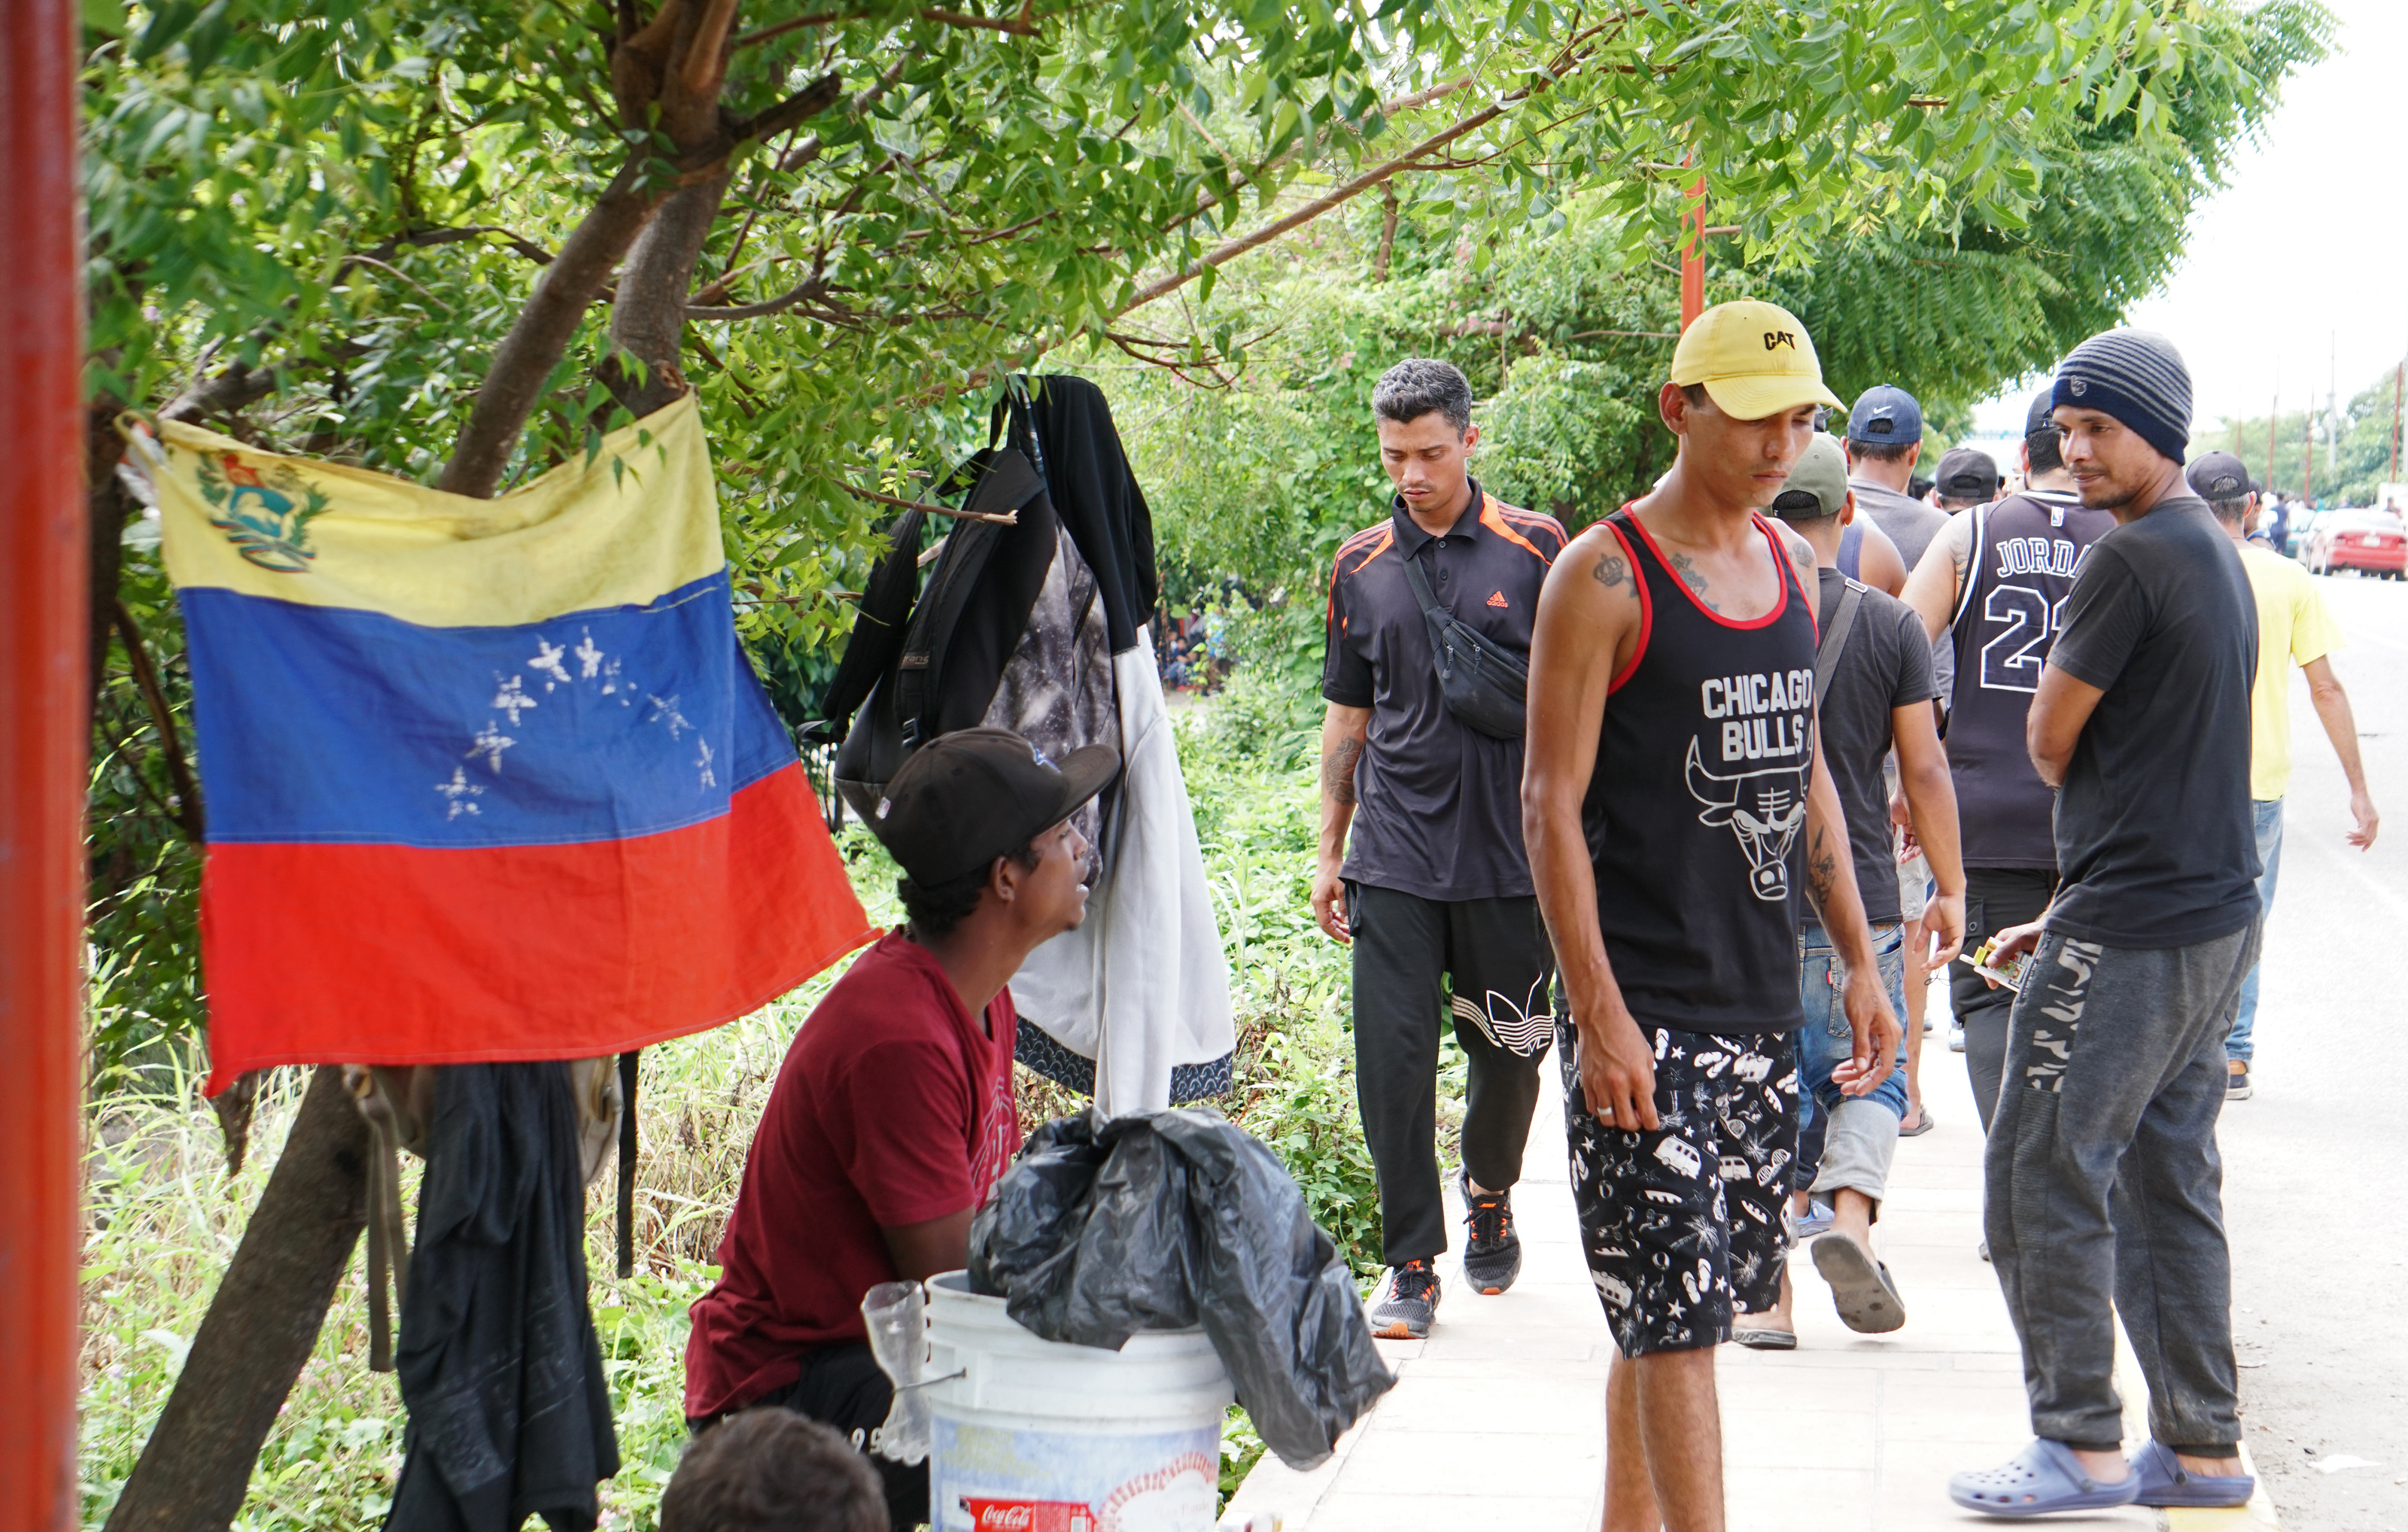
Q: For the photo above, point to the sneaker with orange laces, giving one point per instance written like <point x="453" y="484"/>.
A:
<point x="1410" y="1302"/>
<point x="1492" y="1251"/>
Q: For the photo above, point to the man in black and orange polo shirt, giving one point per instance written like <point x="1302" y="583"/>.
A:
<point x="1432" y="888"/>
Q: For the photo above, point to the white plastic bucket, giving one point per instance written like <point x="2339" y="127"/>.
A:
<point x="1034" y="1436"/>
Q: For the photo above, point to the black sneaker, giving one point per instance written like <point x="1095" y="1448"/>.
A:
<point x="1412" y="1303"/>
<point x="1492" y="1253"/>
<point x="2236" y="1083"/>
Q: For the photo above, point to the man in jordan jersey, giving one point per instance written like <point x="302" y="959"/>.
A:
<point x="1995" y="580"/>
<point x="1679" y="821"/>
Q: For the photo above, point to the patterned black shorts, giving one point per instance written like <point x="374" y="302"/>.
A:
<point x="1682" y="1226"/>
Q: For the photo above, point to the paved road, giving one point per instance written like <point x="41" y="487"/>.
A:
<point x="2318" y="1220"/>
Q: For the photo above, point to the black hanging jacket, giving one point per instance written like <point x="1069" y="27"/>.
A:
<point x="509" y="1416"/>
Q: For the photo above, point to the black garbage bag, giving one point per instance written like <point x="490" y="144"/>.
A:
<point x="1166" y="1220"/>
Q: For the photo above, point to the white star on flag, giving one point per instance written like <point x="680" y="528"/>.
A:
<point x="708" y="780"/>
<point x="665" y="710"/>
<point x="512" y="698"/>
<point x="589" y="658"/>
<point x="490" y="742"/>
<point x="462" y="792"/>
<point x="546" y="659"/>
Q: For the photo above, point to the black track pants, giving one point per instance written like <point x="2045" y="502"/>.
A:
<point x="1484" y="963"/>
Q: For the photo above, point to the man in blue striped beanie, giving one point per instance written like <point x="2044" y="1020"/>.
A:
<point x="2101" y="1187"/>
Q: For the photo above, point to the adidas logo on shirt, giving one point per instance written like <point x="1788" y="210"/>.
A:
<point x="1497" y="599"/>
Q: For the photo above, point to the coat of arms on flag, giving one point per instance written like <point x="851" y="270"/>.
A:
<point x="488" y="780"/>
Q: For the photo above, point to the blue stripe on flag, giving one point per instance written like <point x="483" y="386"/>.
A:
<point x="329" y="724"/>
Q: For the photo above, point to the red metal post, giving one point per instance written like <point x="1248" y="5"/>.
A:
<point x="1693" y="256"/>
<point x="42" y="702"/>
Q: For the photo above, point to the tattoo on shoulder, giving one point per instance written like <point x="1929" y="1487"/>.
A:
<point x="1612" y="569"/>
<point x="1338" y="770"/>
<point x="1686" y="569"/>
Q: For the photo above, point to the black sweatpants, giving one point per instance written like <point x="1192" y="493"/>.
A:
<point x="1995" y="898"/>
<point x="1488" y="965"/>
<point x="844" y="1387"/>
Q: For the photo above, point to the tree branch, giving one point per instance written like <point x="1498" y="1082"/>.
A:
<point x="810" y="287"/>
<point x="1248" y="177"/>
<point x="541" y="336"/>
<point x="1320" y="205"/>
<point x="242" y="385"/>
<point x="420" y="237"/>
<point x="1008" y="517"/>
<point x="1023" y="26"/>
<point x="171" y="744"/>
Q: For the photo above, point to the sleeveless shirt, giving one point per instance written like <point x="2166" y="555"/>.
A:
<point x="2026" y="550"/>
<point x="1696" y="814"/>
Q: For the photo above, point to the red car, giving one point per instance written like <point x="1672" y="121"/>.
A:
<point x="2366" y="541"/>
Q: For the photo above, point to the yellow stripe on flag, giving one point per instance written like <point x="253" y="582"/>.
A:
<point x="638" y="521"/>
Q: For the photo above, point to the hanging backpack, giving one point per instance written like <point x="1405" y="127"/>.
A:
<point x="925" y="662"/>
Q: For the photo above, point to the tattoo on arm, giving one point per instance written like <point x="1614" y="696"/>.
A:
<point x="1338" y="770"/>
<point x="1687" y="570"/>
<point x="1612" y="570"/>
<point x="1822" y="868"/>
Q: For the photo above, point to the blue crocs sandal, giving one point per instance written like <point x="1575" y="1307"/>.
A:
<point x="2043" y="1478"/>
<point x="2164" y="1482"/>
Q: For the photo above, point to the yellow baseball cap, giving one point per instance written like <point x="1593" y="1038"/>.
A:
<point x="1754" y="359"/>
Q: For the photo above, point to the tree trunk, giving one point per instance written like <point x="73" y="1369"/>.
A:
<point x="648" y="316"/>
<point x="109" y="506"/>
<point x="261" y="1326"/>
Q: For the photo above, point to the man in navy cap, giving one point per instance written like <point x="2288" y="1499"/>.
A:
<point x="1884" y="441"/>
<point x="2103" y="1187"/>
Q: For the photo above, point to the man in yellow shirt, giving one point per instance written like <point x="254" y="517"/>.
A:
<point x="2292" y="625"/>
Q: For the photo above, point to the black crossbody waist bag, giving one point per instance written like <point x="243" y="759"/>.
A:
<point x="1483" y="684"/>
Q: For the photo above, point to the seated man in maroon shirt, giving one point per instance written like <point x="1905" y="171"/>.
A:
<point x="893" y="1114"/>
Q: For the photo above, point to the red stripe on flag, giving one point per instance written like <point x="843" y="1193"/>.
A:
<point x="396" y="955"/>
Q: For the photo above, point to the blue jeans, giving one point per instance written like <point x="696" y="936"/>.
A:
<point x="1860" y="1133"/>
<point x="2267" y="813"/>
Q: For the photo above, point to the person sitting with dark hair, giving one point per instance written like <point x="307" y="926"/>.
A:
<point x="771" y="1470"/>
<point x="892" y="1117"/>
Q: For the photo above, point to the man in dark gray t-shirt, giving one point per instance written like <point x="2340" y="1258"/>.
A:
<point x="2102" y="1189"/>
<point x="1422" y="868"/>
<point x="1878" y="693"/>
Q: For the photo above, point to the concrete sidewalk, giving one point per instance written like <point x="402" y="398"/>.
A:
<point x="1497" y="1419"/>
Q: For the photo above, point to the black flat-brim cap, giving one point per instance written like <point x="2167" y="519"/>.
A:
<point x="967" y="797"/>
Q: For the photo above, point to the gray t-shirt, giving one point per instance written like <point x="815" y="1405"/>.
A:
<point x="1439" y="811"/>
<point x="2154" y="839"/>
<point x="1910" y="524"/>
<point x="1886" y="665"/>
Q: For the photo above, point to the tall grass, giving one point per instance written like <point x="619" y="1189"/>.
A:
<point x="167" y="1215"/>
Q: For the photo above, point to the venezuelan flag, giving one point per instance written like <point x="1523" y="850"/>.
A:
<point x="487" y="780"/>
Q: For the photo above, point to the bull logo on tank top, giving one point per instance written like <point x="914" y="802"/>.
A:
<point x="1744" y="719"/>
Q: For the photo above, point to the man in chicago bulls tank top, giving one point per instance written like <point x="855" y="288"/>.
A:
<point x="1678" y="824"/>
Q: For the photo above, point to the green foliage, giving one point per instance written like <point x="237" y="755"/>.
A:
<point x="1241" y="1448"/>
<point x="356" y="202"/>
